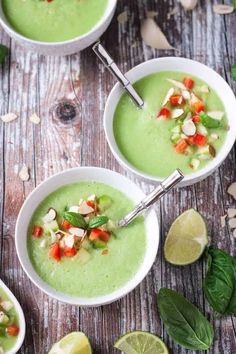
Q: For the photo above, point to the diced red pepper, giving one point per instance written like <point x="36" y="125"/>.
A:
<point x="66" y="225"/>
<point x="181" y="146"/>
<point x="176" y="100"/>
<point x="190" y="140"/>
<point x="37" y="231"/>
<point x="199" y="107"/>
<point x="200" y="139"/>
<point x="196" y="119"/>
<point x="13" y="330"/>
<point x="188" y="83"/>
<point x="164" y="112"/>
<point x="70" y="252"/>
<point x="91" y="204"/>
<point x="97" y="234"/>
<point x="55" y="252"/>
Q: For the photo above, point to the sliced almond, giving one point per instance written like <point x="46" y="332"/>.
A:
<point x="194" y="98"/>
<point x="153" y="36"/>
<point x="232" y="190"/>
<point x="43" y="244"/>
<point x="204" y="89"/>
<point x="178" y="84"/>
<point x="231" y="212"/>
<point x="151" y="14"/>
<point x="24" y="173"/>
<point x="214" y="136"/>
<point x="50" y="216"/>
<point x="189" y="4"/>
<point x="168" y="95"/>
<point x="9" y="117"/>
<point x="186" y="95"/>
<point x="223" y="9"/>
<point x="232" y="223"/>
<point x="34" y="118"/>
<point x="189" y="128"/>
<point x="176" y="113"/>
<point x="76" y="231"/>
<point x="74" y="209"/>
<point x="223" y="221"/>
<point x="234" y="233"/>
<point x="6" y="305"/>
<point x="217" y="115"/>
<point x="194" y="164"/>
<point x="85" y="209"/>
<point x="69" y="241"/>
<point x="91" y="198"/>
<point x="122" y="18"/>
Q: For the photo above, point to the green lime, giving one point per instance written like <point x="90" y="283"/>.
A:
<point x="73" y="343"/>
<point x="186" y="239"/>
<point x="139" y="342"/>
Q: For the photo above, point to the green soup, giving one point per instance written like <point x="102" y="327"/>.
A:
<point x="7" y="341"/>
<point x="102" y="273"/>
<point x="55" y="20"/>
<point x="147" y="141"/>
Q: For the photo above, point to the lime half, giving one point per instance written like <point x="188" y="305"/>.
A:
<point x="73" y="343"/>
<point x="139" y="342"/>
<point x="186" y="239"/>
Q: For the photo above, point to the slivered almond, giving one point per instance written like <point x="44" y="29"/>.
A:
<point x="231" y="212"/>
<point x="186" y="95"/>
<point x="24" y="173"/>
<point x="189" y="128"/>
<point x="153" y="36"/>
<point x="217" y="115"/>
<point x="85" y="209"/>
<point x="69" y="240"/>
<point x="223" y="9"/>
<point x="9" y="117"/>
<point x="232" y="190"/>
<point x="194" y="98"/>
<point x="50" y="216"/>
<point x="76" y="231"/>
<point x="222" y="220"/>
<point x="74" y="209"/>
<point x="176" y="113"/>
<point x="168" y="95"/>
<point x="232" y="223"/>
<point x="91" y="198"/>
<point x="34" y="118"/>
<point x="204" y="89"/>
<point x="178" y="84"/>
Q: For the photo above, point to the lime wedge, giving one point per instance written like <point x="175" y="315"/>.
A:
<point x="139" y="342"/>
<point x="186" y="239"/>
<point x="73" y="343"/>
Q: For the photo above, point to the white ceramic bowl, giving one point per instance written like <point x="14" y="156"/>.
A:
<point x="66" y="47"/>
<point x="72" y="176"/>
<point x="19" y="311"/>
<point x="191" y="67"/>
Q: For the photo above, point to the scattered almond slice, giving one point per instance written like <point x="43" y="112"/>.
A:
<point x="168" y="95"/>
<point x="122" y="18"/>
<point x="214" y="136"/>
<point x="53" y="236"/>
<point x="189" y="4"/>
<point x="223" y="9"/>
<point x="50" y="216"/>
<point x="234" y="233"/>
<point x="188" y="127"/>
<point x="178" y="84"/>
<point x="6" y="305"/>
<point x="76" y="231"/>
<point x="43" y="244"/>
<point x="74" y="209"/>
<point x="85" y="209"/>
<point x="151" y="14"/>
<point x="91" y="198"/>
<point x="232" y="223"/>
<point x="223" y="221"/>
<point x="186" y="94"/>
<point x="69" y="240"/>
<point x="34" y="118"/>
<point x="232" y="190"/>
<point x="217" y="115"/>
<point x="194" y="98"/>
<point x="176" y="113"/>
<point x="153" y="36"/>
<point x="231" y="212"/>
<point x="204" y="89"/>
<point x="9" y="117"/>
<point x="24" y="173"/>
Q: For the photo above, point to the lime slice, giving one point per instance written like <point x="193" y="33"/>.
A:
<point x="73" y="343"/>
<point x="186" y="239"/>
<point x="139" y="342"/>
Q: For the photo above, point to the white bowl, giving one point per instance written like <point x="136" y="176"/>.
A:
<point x="66" y="47"/>
<point x="74" y="175"/>
<point x="19" y="311"/>
<point x="183" y="65"/>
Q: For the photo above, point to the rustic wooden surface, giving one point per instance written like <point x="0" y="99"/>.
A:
<point x="76" y="87"/>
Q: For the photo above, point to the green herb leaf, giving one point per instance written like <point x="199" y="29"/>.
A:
<point x="220" y="281"/>
<point x="75" y="219"/>
<point x="184" y="322"/>
<point x="3" y="52"/>
<point x="209" y="122"/>
<point x="233" y="69"/>
<point x="97" y="221"/>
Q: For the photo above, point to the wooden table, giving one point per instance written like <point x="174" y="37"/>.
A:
<point x="69" y="94"/>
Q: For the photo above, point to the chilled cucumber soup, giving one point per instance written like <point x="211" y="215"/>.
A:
<point x="55" y="20"/>
<point x="102" y="273"/>
<point x="144" y="139"/>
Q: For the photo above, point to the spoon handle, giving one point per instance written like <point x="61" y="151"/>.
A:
<point x="109" y="63"/>
<point x="154" y="196"/>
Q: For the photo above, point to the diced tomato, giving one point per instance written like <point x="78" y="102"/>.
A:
<point x="37" y="231"/>
<point x="190" y="140"/>
<point x="164" y="112"/>
<point x="198" y="106"/>
<point x="66" y="225"/>
<point x="13" y="330"/>
<point x="188" y="82"/>
<point x="196" y="119"/>
<point x="55" y="252"/>
<point x="176" y="100"/>
<point x="200" y="139"/>
<point x="181" y="146"/>
<point x="91" y="204"/>
<point x="99" y="234"/>
<point x="70" y="252"/>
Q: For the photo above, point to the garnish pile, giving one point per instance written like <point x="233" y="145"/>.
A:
<point x="77" y="231"/>
<point x="8" y="326"/>
<point x="195" y="129"/>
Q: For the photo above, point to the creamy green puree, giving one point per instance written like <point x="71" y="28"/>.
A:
<point x="55" y="20"/>
<point x="147" y="142"/>
<point x="102" y="273"/>
<point x="7" y="342"/>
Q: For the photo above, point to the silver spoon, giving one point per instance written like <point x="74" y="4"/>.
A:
<point x="154" y="196"/>
<point x="109" y="63"/>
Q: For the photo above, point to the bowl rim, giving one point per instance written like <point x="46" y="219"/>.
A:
<point x="21" y="317"/>
<point x="149" y="256"/>
<point x="118" y="90"/>
<point x="108" y="13"/>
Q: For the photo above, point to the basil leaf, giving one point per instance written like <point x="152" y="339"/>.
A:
<point x="219" y="284"/>
<point x="233" y="69"/>
<point x="97" y="221"/>
<point x="209" y="122"/>
<point x="3" y="52"/>
<point x="185" y="324"/>
<point x="75" y="219"/>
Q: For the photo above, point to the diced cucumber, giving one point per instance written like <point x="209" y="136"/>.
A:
<point x="98" y="244"/>
<point x="86" y="244"/>
<point x="176" y="129"/>
<point x="104" y="202"/>
<point x="51" y="226"/>
<point x="202" y="130"/>
<point x="175" y="138"/>
<point x="189" y="150"/>
<point x="4" y="319"/>
<point x="83" y="256"/>
<point x="194" y="164"/>
<point x="111" y="225"/>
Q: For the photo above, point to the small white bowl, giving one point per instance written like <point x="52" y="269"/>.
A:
<point x="19" y="311"/>
<point x="191" y="67"/>
<point x="66" y="47"/>
<point x="75" y="175"/>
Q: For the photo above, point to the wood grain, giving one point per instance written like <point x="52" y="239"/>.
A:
<point x="69" y="95"/>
